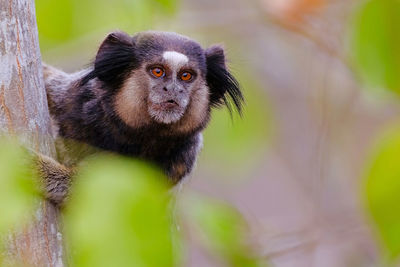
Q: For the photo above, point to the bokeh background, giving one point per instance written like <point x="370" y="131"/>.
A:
<point x="321" y="81"/>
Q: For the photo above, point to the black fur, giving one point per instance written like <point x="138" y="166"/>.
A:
<point x="119" y="54"/>
<point x="95" y="122"/>
<point x="220" y="81"/>
<point x="115" y="58"/>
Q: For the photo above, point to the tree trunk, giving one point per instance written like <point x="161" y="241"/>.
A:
<point x="24" y="112"/>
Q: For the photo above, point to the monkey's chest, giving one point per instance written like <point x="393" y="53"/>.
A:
<point x="152" y="148"/>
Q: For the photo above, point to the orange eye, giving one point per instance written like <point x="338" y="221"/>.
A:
<point x="186" y="76"/>
<point x="157" y="72"/>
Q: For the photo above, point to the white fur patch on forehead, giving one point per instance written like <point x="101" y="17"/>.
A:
<point x="175" y="59"/>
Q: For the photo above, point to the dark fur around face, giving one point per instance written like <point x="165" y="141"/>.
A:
<point x="115" y="58"/>
<point x="119" y="54"/>
<point x="111" y="105"/>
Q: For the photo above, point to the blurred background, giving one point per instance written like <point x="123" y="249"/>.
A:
<point x="321" y="81"/>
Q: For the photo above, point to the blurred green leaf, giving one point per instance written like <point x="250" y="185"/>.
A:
<point x="222" y="229"/>
<point x="168" y="5"/>
<point x="18" y="189"/>
<point x="55" y="20"/>
<point x="64" y="20"/>
<point x="119" y="216"/>
<point x="383" y="190"/>
<point x="376" y="42"/>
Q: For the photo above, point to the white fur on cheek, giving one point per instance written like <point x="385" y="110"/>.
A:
<point x="175" y="59"/>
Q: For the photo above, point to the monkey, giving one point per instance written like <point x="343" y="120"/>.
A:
<point x="147" y="96"/>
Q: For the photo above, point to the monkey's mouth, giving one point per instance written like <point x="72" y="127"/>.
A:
<point x="168" y="111"/>
<point x="169" y="104"/>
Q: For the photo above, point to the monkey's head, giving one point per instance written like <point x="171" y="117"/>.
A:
<point x="164" y="78"/>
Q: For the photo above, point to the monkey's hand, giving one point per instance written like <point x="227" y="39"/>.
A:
<point x="56" y="178"/>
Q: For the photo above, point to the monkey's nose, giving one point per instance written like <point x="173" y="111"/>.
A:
<point x="173" y="89"/>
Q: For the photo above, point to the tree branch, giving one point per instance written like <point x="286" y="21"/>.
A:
<point x="24" y="112"/>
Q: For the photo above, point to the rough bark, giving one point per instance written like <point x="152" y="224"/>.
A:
<point x="24" y="112"/>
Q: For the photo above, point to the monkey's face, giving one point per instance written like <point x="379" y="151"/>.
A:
<point x="164" y="78"/>
<point x="169" y="85"/>
<point x="172" y="81"/>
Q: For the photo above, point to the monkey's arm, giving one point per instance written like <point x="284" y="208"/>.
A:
<point x="56" y="178"/>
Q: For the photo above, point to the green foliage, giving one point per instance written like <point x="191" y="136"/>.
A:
<point x="18" y="191"/>
<point x="382" y="191"/>
<point x="221" y="229"/>
<point x="119" y="216"/>
<point x="167" y="5"/>
<point x="376" y="42"/>
<point x="63" y="20"/>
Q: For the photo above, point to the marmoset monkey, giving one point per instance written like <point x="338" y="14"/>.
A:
<point x="148" y="96"/>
